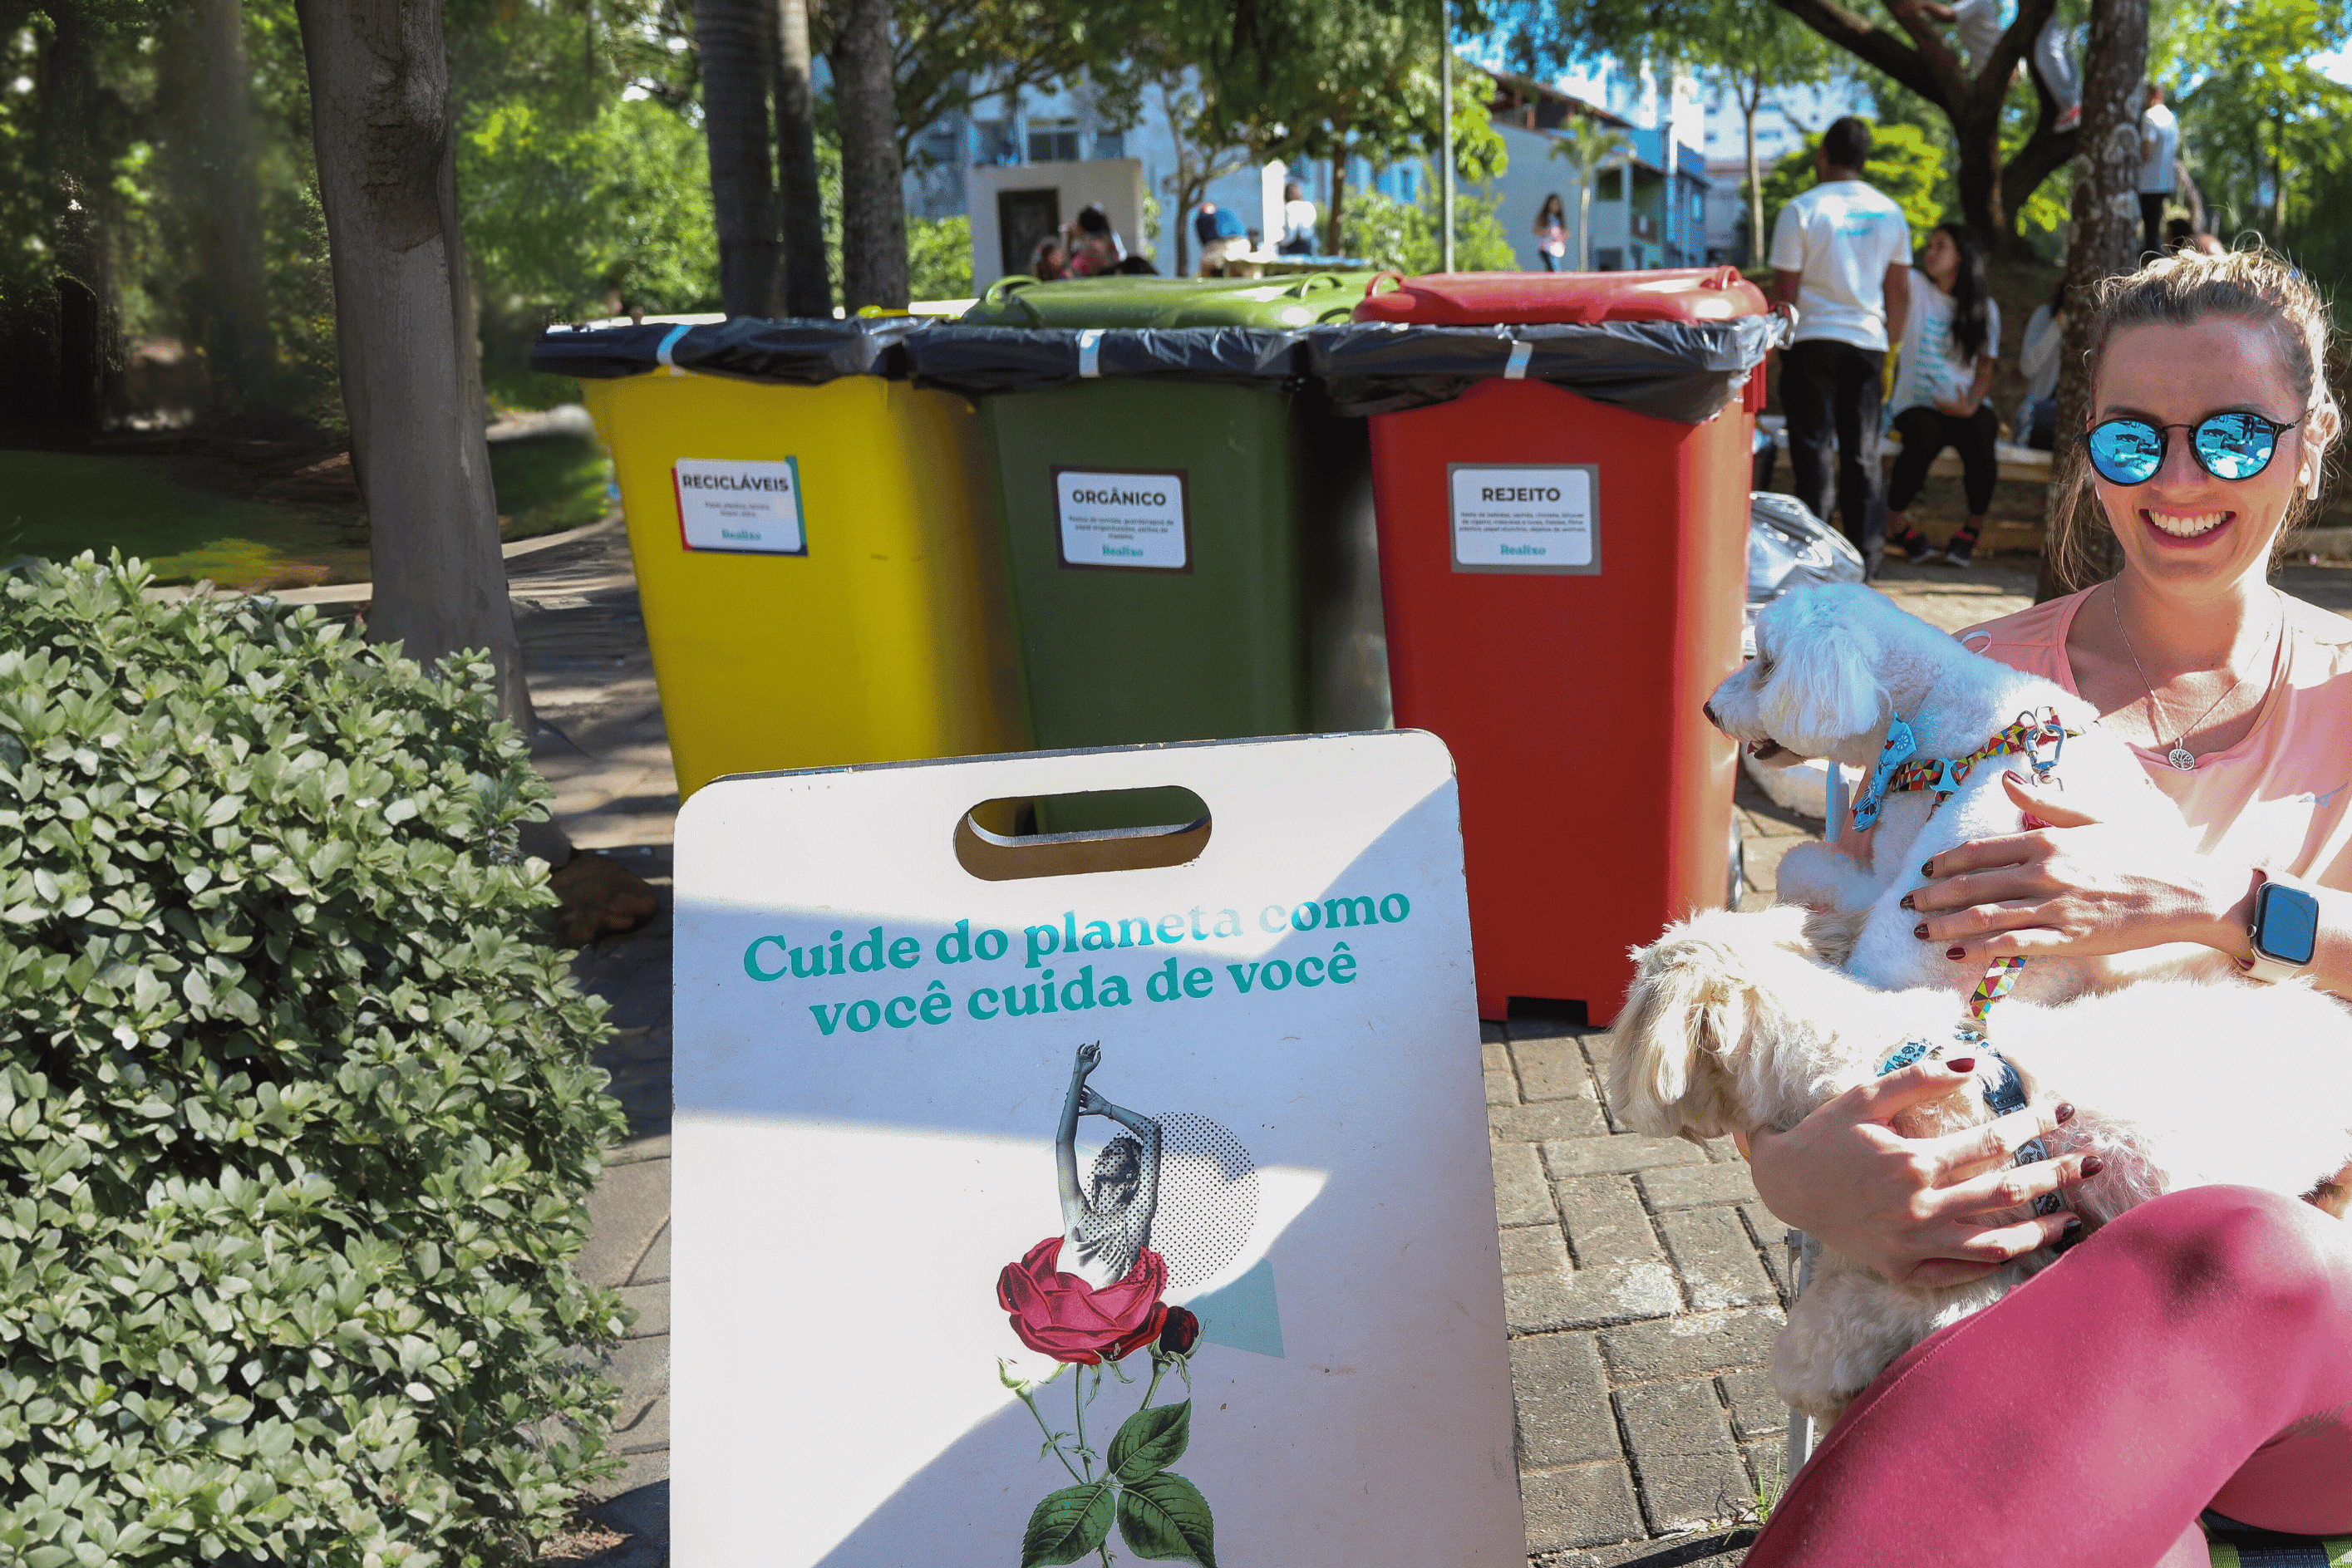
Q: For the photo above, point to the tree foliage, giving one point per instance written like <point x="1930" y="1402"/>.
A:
<point x="300" y="1104"/>
<point x="1403" y="237"/>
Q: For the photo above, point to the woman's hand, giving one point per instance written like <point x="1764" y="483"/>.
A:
<point x="2079" y="886"/>
<point x="1908" y="1207"/>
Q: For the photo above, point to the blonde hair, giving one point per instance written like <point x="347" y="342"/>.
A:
<point x="2179" y="289"/>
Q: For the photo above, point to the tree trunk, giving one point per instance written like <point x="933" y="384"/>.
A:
<point x="733" y="38"/>
<point x="1338" y="192"/>
<point x="1749" y="103"/>
<point x="2105" y="228"/>
<point x="808" y="283"/>
<point x="205" y="69"/>
<point x="387" y="179"/>
<point x="66" y="150"/>
<point x="1977" y="148"/>
<point x="873" y="202"/>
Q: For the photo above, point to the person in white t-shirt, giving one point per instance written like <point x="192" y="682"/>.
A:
<point x="1951" y="336"/>
<point x="1299" y="217"/>
<point x="1841" y="257"/>
<point x="2159" y="144"/>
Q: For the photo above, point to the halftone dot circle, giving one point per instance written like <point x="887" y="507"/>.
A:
<point x="1208" y="1198"/>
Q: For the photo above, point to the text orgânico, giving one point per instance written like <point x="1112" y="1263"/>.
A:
<point x="1119" y="497"/>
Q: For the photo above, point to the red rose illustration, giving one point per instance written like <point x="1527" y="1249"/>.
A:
<point x="1062" y="1316"/>
<point x="1182" y="1330"/>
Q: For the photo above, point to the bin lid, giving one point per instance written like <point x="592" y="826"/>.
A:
<point x="1487" y="299"/>
<point x="1683" y="370"/>
<point x="978" y="360"/>
<point x="1129" y="301"/>
<point x="797" y="353"/>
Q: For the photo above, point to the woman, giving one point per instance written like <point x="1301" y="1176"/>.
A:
<point x="2192" y="1352"/>
<point x="1105" y="1230"/>
<point x="1948" y="341"/>
<point x="1551" y="233"/>
<point x="1299" y="219"/>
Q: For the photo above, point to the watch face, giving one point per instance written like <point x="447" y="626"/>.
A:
<point x="2286" y="922"/>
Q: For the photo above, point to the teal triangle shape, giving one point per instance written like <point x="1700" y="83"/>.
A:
<point x="1243" y="1314"/>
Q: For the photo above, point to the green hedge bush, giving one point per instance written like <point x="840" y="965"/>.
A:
<point x="299" y="1110"/>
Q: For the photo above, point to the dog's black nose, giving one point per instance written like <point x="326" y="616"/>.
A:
<point x="1708" y="709"/>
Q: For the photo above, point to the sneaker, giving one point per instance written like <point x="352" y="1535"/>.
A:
<point x="1960" y="550"/>
<point x="1913" y="546"/>
<point x="2068" y="120"/>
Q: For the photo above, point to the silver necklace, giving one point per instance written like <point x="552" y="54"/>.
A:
<point x="2180" y="756"/>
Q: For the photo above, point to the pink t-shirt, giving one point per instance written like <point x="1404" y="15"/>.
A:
<point x="2279" y="798"/>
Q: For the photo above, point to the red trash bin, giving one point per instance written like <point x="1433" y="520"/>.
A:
<point x="1563" y="575"/>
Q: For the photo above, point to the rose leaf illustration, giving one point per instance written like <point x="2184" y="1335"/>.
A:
<point x="1069" y="1524"/>
<point x="1165" y="1516"/>
<point x="1153" y="1439"/>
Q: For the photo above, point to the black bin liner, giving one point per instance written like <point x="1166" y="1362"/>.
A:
<point x="978" y="360"/>
<point x="793" y="352"/>
<point x="1683" y="370"/>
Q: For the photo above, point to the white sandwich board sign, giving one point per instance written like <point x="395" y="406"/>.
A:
<point x="1142" y="1207"/>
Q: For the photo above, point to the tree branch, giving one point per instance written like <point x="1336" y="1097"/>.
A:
<point x="1867" y="43"/>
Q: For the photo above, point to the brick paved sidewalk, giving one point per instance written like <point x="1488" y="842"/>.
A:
<point x="1642" y="1287"/>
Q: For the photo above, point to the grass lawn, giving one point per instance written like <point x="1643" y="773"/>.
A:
<point x="191" y="519"/>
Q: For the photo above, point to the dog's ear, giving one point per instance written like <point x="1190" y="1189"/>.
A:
<point x="1686" y="1008"/>
<point x="1824" y="687"/>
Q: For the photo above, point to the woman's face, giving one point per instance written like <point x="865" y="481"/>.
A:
<point x="1941" y="260"/>
<point x="2185" y="528"/>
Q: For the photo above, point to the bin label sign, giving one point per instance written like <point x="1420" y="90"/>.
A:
<point x="1123" y="519"/>
<point x="1516" y="516"/>
<point x="743" y="509"/>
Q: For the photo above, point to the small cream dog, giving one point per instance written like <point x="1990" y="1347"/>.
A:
<point x="1732" y="1022"/>
<point x="1834" y="666"/>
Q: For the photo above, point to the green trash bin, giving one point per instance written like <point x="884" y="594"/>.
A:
<point x="1189" y="528"/>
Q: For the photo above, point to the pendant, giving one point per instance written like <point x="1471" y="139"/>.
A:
<point x="2181" y="757"/>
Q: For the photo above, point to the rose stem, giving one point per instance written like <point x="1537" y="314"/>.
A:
<point x="1077" y="1403"/>
<point x="1053" y="1442"/>
<point x="1159" y="1371"/>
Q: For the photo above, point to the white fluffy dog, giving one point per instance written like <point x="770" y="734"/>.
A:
<point x="1732" y="1023"/>
<point x="1834" y="667"/>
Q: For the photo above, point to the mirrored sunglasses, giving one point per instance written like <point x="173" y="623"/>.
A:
<point x="2127" y="451"/>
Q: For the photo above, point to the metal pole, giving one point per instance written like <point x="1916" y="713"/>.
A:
<point x="1445" y="108"/>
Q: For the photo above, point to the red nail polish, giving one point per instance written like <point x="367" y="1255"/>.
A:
<point x="2072" y="1226"/>
<point x="1962" y="1065"/>
<point x="1905" y="903"/>
<point x="1920" y="931"/>
<point x="2093" y="1166"/>
<point x="2065" y="1114"/>
<point x="1927" y="868"/>
<point x="1955" y="954"/>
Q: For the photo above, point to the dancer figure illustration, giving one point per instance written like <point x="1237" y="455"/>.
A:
<point x="1105" y="1231"/>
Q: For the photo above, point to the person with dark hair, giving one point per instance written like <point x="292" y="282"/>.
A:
<point x="2179" y="233"/>
<point x="1221" y="234"/>
<point x="1951" y="336"/>
<point x="1551" y="232"/>
<point x="2159" y="146"/>
<point x="1841" y="258"/>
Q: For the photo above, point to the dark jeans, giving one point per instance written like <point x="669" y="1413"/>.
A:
<point x="1830" y="392"/>
<point x="1925" y="432"/>
<point x="1550" y="262"/>
<point x="2151" y="220"/>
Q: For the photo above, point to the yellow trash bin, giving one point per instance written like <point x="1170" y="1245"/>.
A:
<point x="815" y="544"/>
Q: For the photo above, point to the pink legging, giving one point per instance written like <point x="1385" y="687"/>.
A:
<point x="2196" y="1352"/>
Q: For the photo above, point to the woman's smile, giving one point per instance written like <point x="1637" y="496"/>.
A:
<point x="2196" y="528"/>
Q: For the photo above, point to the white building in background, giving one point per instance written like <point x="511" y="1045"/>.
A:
<point x="1648" y="210"/>
<point x="1069" y="125"/>
<point x="1783" y="120"/>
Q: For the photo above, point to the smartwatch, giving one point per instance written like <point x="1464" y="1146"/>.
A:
<point x="2285" y="932"/>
